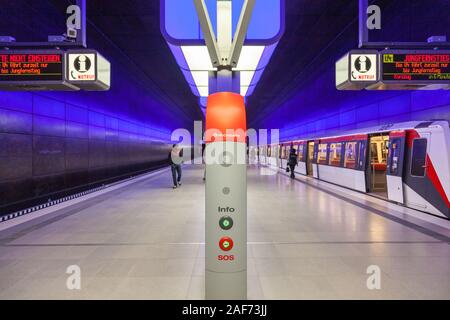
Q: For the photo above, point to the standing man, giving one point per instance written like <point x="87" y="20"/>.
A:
<point x="175" y="160"/>
<point x="292" y="162"/>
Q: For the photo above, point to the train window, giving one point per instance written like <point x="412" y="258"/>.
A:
<point x="335" y="154"/>
<point x="300" y="152"/>
<point x="315" y="152"/>
<point x="373" y="152"/>
<point x="394" y="156"/>
<point x="418" y="157"/>
<point x="379" y="146"/>
<point x="362" y="155"/>
<point x="350" y="155"/>
<point x="322" y="154"/>
<point x="287" y="149"/>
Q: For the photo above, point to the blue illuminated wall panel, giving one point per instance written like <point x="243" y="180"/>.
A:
<point x="48" y="146"/>
<point x="57" y="143"/>
<point x="370" y="111"/>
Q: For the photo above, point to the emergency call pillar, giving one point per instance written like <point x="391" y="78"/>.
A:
<point x="226" y="197"/>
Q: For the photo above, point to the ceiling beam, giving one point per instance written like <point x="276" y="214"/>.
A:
<point x="241" y="32"/>
<point x="208" y="32"/>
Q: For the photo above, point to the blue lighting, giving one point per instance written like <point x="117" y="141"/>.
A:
<point x="180" y="22"/>
<point x="181" y="29"/>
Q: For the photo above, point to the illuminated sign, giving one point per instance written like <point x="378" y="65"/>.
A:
<point x="88" y="70"/>
<point x="357" y="70"/>
<point x="36" y="66"/>
<point x="44" y="70"/>
<point x="82" y="67"/>
<point x="396" y="70"/>
<point x="363" y="67"/>
<point x="403" y="66"/>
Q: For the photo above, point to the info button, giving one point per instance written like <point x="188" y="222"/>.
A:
<point x="226" y="223"/>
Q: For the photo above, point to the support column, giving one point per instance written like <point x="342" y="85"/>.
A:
<point x="363" y="31"/>
<point x="81" y="36"/>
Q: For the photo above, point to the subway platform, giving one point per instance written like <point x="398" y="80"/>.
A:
<point x="144" y="240"/>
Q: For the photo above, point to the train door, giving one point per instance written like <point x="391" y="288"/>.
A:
<point x="395" y="166"/>
<point x="377" y="164"/>
<point x="284" y="156"/>
<point x="278" y="156"/>
<point x="417" y="170"/>
<point x="309" y="158"/>
<point x="266" y="155"/>
<point x="275" y="153"/>
<point x="315" y="166"/>
<point x="301" y="166"/>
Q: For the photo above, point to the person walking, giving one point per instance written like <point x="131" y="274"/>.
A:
<point x="175" y="160"/>
<point x="292" y="162"/>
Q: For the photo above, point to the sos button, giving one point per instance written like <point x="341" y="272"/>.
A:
<point x="226" y="243"/>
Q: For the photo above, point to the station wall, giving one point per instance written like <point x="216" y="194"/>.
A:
<point x="49" y="147"/>
<point x="57" y="143"/>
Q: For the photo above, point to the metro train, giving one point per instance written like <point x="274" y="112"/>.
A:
<point x="407" y="163"/>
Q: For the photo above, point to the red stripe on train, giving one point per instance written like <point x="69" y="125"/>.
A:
<point x="433" y="176"/>
<point x="357" y="137"/>
<point x="397" y="134"/>
<point x="431" y="171"/>
<point x="411" y="135"/>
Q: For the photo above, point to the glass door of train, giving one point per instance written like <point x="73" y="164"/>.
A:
<point x="417" y="165"/>
<point x="377" y="164"/>
<point x="395" y="162"/>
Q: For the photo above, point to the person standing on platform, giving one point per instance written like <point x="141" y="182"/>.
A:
<point x="175" y="160"/>
<point x="203" y="157"/>
<point x="292" y="162"/>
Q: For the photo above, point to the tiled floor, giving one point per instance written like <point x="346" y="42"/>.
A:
<point x="145" y="241"/>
